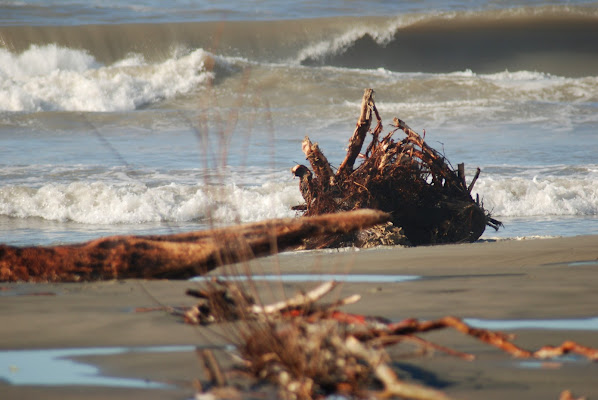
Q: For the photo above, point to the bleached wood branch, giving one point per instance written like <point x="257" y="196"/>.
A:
<point x="301" y="299"/>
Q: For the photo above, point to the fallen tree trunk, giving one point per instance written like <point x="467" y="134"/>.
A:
<point x="178" y="256"/>
<point x="426" y="197"/>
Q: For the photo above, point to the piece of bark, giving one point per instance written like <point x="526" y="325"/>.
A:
<point x="178" y="256"/>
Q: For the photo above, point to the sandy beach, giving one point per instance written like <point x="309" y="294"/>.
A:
<point x="513" y="280"/>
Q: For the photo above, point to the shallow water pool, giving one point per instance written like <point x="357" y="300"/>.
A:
<point x="570" y="324"/>
<point x="352" y="278"/>
<point x="55" y="367"/>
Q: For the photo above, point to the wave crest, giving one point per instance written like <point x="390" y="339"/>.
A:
<point x="54" y="78"/>
<point x="532" y="197"/>
<point x="104" y="203"/>
<point x="556" y="40"/>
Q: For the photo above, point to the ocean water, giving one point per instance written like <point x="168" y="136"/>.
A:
<point x="160" y="117"/>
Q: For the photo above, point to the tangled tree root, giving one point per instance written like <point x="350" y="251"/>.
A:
<point x="429" y="200"/>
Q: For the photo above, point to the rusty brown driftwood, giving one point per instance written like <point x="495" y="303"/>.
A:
<point x="311" y="350"/>
<point x="426" y="197"/>
<point x="177" y="256"/>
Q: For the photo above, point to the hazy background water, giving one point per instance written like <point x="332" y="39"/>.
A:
<point x="154" y="117"/>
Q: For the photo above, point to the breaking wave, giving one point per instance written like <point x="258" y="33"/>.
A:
<point x="556" y="194"/>
<point x="106" y="203"/>
<point x="54" y="78"/>
<point x="556" y="40"/>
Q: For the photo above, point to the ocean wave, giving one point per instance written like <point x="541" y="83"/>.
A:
<point x="105" y="203"/>
<point x="539" y="196"/>
<point x="466" y="98"/>
<point x="557" y="40"/>
<point x="561" y="40"/>
<point x="568" y="192"/>
<point x="54" y="78"/>
<point x="381" y="34"/>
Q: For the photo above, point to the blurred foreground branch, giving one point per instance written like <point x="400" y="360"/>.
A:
<point x="310" y="349"/>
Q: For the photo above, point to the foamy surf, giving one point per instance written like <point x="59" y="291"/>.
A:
<point x="563" y="192"/>
<point x="102" y="203"/>
<point x="53" y="78"/>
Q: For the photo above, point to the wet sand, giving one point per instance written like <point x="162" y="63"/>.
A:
<point x="506" y="280"/>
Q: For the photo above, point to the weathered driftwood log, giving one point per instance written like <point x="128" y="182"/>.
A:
<point x="407" y="178"/>
<point x="178" y="256"/>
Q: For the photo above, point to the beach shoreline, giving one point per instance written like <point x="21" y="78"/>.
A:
<point x="539" y="279"/>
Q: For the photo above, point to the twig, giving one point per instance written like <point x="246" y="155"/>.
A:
<point x="565" y="348"/>
<point x="496" y="339"/>
<point x="394" y="339"/>
<point x="296" y="301"/>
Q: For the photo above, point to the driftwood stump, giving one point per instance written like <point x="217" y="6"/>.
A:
<point x="429" y="200"/>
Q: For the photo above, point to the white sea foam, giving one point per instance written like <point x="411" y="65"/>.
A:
<point x="106" y="203"/>
<point x="464" y="97"/>
<point x="546" y="196"/>
<point x="533" y="85"/>
<point x="53" y="78"/>
<point x="102" y="202"/>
